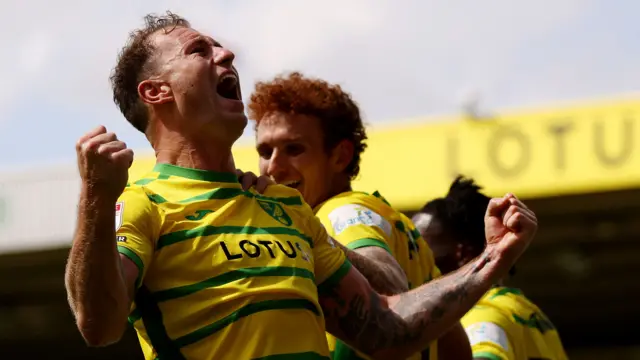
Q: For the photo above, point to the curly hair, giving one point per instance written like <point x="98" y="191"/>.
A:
<point x="339" y="115"/>
<point x="134" y="64"/>
<point x="461" y="212"/>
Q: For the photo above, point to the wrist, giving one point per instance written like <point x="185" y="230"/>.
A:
<point x="97" y="199"/>
<point x="494" y="264"/>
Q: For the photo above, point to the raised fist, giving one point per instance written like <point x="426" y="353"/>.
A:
<point x="509" y="227"/>
<point x="103" y="162"/>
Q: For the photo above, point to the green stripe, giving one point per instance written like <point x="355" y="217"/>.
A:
<point x="163" y="176"/>
<point x="154" y="325"/>
<point x="228" y="277"/>
<point x="195" y="174"/>
<point x="366" y="242"/>
<point x="134" y="316"/>
<point x="297" y="356"/>
<point x="144" y="181"/>
<point x="505" y="291"/>
<point x="344" y="352"/>
<point x="155" y="198"/>
<point x="229" y="193"/>
<point x="182" y="235"/>
<point x="217" y="194"/>
<point x="486" y="355"/>
<point x="379" y="196"/>
<point x="335" y="278"/>
<point x="290" y="304"/>
<point x="136" y="260"/>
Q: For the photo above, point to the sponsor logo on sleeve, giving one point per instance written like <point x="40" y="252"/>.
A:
<point x="119" y="210"/>
<point x="350" y="215"/>
<point x="487" y="332"/>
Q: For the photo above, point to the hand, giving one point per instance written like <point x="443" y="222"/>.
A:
<point x="103" y="162"/>
<point x="509" y="227"/>
<point x="249" y="179"/>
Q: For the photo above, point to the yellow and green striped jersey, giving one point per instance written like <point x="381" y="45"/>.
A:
<point x="358" y="219"/>
<point x="225" y="273"/>
<point x="505" y="325"/>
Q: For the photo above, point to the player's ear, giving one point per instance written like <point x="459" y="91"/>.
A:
<point x="155" y="91"/>
<point x="342" y="155"/>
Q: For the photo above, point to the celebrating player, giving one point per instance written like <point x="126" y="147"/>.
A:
<point x="310" y="136"/>
<point x="205" y="270"/>
<point x="504" y="324"/>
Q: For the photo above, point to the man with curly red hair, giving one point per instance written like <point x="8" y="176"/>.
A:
<point x="310" y="136"/>
<point x="205" y="269"/>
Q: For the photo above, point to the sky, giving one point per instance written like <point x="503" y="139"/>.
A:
<point x="400" y="59"/>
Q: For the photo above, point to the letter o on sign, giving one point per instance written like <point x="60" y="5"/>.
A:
<point x="497" y="142"/>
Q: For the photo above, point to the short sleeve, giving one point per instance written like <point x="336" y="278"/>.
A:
<point x="490" y="333"/>
<point x="137" y="225"/>
<point x="330" y="262"/>
<point x="356" y="226"/>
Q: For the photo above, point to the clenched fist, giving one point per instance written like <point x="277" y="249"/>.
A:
<point x="509" y="227"/>
<point x="103" y="162"/>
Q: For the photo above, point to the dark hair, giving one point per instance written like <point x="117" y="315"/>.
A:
<point x="296" y="94"/>
<point x="461" y="212"/>
<point x="134" y="64"/>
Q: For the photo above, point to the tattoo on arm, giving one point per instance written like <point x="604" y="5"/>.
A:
<point x="402" y="325"/>
<point x="379" y="268"/>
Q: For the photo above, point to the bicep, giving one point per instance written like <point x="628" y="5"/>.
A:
<point x="382" y="271"/>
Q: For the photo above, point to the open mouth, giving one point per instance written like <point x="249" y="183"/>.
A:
<point x="228" y="86"/>
<point x="291" y="184"/>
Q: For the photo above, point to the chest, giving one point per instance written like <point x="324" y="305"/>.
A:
<point x="201" y="241"/>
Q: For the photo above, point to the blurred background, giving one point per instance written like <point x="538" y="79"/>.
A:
<point x="539" y="98"/>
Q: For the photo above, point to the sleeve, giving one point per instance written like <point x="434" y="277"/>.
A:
<point x="137" y="225"/>
<point x="490" y="333"/>
<point x="330" y="262"/>
<point x="356" y="226"/>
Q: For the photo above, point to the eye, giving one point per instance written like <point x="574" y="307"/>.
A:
<point x="265" y="153"/>
<point x="200" y="48"/>
<point x="294" y="149"/>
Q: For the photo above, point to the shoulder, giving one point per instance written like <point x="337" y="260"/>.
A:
<point x="136" y="194"/>
<point x="342" y="212"/>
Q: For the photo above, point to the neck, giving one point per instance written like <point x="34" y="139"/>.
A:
<point x="175" y="149"/>
<point x="339" y="185"/>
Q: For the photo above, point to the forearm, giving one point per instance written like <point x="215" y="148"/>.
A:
<point x="433" y="309"/>
<point x="384" y="278"/>
<point x="95" y="286"/>
<point x="402" y="325"/>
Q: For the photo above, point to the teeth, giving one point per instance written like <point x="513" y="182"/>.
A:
<point x="228" y="76"/>
<point x="290" y="183"/>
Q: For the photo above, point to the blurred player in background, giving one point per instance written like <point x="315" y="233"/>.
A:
<point x="205" y="270"/>
<point x="504" y="324"/>
<point x="310" y="137"/>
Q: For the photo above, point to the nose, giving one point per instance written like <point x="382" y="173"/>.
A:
<point x="223" y="57"/>
<point x="276" y="169"/>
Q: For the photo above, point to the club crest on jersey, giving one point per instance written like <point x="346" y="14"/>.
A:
<point x="276" y="211"/>
<point x="119" y="210"/>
